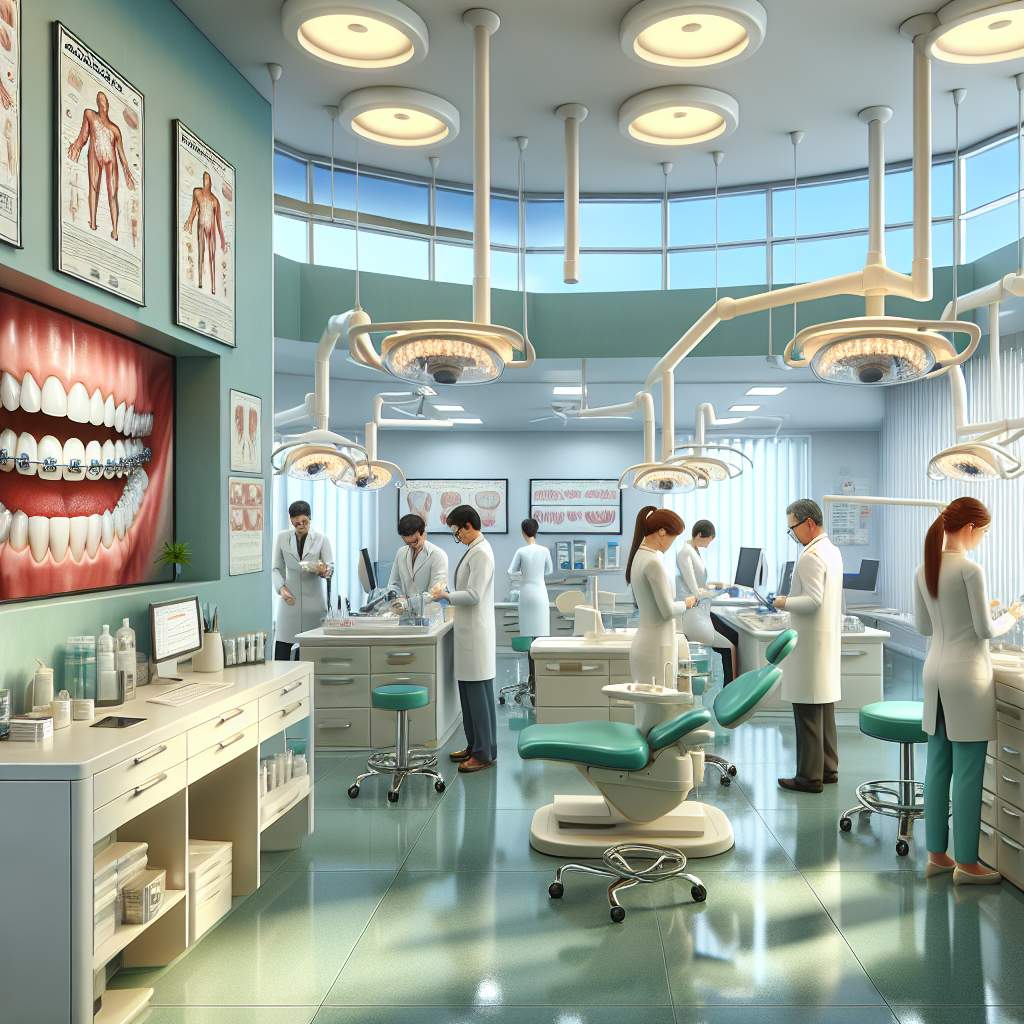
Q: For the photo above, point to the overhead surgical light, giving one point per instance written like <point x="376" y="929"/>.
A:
<point x="395" y="116"/>
<point x="664" y="479"/>
<point x="692" y="33"/>
<point x="973" y="461"/>
<point x="679" y="115"/>
<point x="972" y="31"/>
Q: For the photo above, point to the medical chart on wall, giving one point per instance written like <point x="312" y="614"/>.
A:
<point x="246" y="414"/>
<point x="100" y="176"/>
<point x="577" y="506"/>
<point x="434" y="499"/>
<point x="10" y="121"/>
<point x="849" y="525"/>
<point x="205" y="186"/>
<point x="245" y="525"/>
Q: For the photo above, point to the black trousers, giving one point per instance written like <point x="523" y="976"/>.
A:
<point x="817" y="754"/>
<point x="730" y="634"/>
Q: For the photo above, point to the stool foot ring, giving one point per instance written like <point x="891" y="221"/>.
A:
<point x="902" y="799"/>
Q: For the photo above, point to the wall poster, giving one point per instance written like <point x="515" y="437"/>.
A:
<point x="577" y="506"/>
<point x="100" y="172"/>
<point x="433" y="499"/>
<point x="245" y="525"/>
<point x="205" y="186"/>
<point x="246" y="416"/>
<point x="10" y="121"/>
<point x="849" y="525"/>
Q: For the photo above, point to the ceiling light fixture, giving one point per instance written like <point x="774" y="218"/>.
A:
<point x="449" y="408"/>
<point x="692" y="33"/>
<point x="394" y="116"/>
<point x="764" y="391"/>
<point x="679" y="115"/>
<point x="972" y="31"/>
<point x="363" y="34"/>
<point x="568" y="389"/>
<point x="742" y="408"/>
<point x="467" y="421"/>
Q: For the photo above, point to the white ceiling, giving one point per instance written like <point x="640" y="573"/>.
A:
<point x="822" y="60"/>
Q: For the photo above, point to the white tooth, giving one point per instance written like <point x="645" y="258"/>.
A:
<point x="5" y="524"/>
<point x="31" y="396"/>
<point x="108" y="411"/>
<point x="8" y="449"/>
<point x="143" y="481"/>
<point x="109" y="457"/>
<point x="77" y="538"/>
<point x="27" y="450"/>
<point x="55" y="398"/>
<point x="92" y="538"/>
<point x="49" y="450"/>
<point x="60" y="535"/>
<point x="74" y="451"/>
<point x="119" y="524"/>
<point x="129" y="421"/>
<point x="38" y="536"/>
<point x="78" y="403"/>
<point x="147" y="424"/>
<point x="18" y="537"/>
<point x="96" y="408"/>
<point x="108" y="529"/>
<point x="119" y="416"/>
<point x="10" y="391"/>
<point x="94" y="460"/>
<point x="120" y="453"/>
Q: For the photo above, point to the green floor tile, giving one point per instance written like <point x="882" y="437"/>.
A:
<point x="784" y="1015"/>
<point x="960" y="1014"/>
<point x="416" y="793"/>
<point x="495" y="1015"/>
<point x="229" y="1015"/>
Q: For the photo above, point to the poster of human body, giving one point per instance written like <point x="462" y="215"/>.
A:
<point x="100" y="160"/>
<point x="10" y="121"/>
<point x="246" y="413"/>
<point x="434" y="499"/>
<point x="206" y="237"/>
<point x="245" y="525"/>
<point x="577" y="506"/>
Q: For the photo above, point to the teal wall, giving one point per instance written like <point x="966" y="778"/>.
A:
<point x="181" y="76"/>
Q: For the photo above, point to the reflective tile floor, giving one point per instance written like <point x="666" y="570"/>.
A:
<point x="437" y="911"/>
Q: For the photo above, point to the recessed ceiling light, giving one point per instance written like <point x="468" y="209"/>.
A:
<point x="399" y="117"/>
<point x="468" y="421"/>
<point x="567" y="389"/>
<point x="764" y="391"/>
<point x="728" y="421"/>
<point x="744" y="408"/>
<point x="692" y="33"/>
<point x="363" y="34"/>
<point x="449" y="408"/>
<point x="678" y="115"/>
<point x="977" y="32"/>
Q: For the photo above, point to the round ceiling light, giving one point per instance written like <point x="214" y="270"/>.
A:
<point x="679" y="115"/>
<point x="395" y="116"/>
<point x="691" y="33"/>
<point x="978" y="32"/>
<point x="367" y="34"/>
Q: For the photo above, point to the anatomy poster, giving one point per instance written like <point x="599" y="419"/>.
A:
<point x="577" y="506"/>
<point x="100" y="162"/>
<point x="434" y="499"/>
<point x="206" y="238"/>
<point x="246" y="413"/>
<point x="245" y="525"/>
<point x="10" y="121"/>
<point x="86" y="455"/>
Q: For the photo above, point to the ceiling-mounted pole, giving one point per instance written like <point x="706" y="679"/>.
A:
<point x="795" y="137"/>
<point x="1019" y="80"/>
<point x="666" y="170"/>
<point x="432" y="213"/>
<point x="876" y="119"/>
<point x="921" y="267"/>
<point x="958" y="98"/>
<point x="717" y="157"/>
<point x="572" y="114"/>
<point x="668" y="416"/>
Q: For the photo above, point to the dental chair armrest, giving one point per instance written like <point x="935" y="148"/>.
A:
<point x="675" y="729"/>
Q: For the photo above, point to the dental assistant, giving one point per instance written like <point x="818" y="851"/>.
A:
<point x="419" y="566"/>
<point x="302" y="561"/>
<point x="951" y="607"/>
<point x="533" y="562"/>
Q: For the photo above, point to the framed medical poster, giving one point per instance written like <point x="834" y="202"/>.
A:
<point x="100" y="197"/>
<point x="245" y="525"/>
<point x="246" y="424"/>
<point x="577" y="506"/>
<point x="434" y="499"/>
<point x="10" y="122"/>
<point x="205" y="246"/>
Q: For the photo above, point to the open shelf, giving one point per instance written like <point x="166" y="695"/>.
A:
<point x="122" y="1005"/>
<point x="128" y="933"/>
<point x="277" y="803"/>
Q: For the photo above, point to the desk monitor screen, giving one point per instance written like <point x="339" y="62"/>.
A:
<point x="786" y="579"/>
<point x="175" y="631"/>
<point x="748" y="567"/>
<point x="865" y="579"/>
<point x="367" y="577"/>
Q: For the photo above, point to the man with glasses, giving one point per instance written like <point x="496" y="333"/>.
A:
<point x="811" y="674"/>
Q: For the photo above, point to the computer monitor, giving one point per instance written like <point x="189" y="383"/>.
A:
<point x="175" y="631"/>
<point x="865" y="579"/>
<point x="367" y="577"/>
<point x="786" y="579"/>
<point x="749" y="568"/>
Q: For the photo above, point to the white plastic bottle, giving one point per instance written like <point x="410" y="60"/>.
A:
<point x="124" y="659"/>
<point x="106" y="670"/>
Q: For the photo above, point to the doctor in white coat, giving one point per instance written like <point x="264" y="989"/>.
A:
<point x="475" y="660"/>
<point x="302" y="602"/>
<point x="419" y="566"/>
<point x="811" y="674"/>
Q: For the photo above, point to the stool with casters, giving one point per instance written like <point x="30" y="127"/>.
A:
<point x="402" y="761"/>
<point x="895" y="721"/>
<point x="520" y="691"/>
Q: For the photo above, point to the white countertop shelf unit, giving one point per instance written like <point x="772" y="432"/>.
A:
<point x="128" y="933"/>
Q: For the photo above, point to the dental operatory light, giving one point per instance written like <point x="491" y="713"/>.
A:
<point x="679" y="115"/>
<point x="370" y="34"/>
<point x="972" y="31"/>
<point x="692" y="33"/>
<point x="664" y="479"/>
<point x="973" y="461"/>
<point x="395" y="116"/>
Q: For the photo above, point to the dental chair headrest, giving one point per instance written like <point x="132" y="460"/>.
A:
<point x="781" y="647"/>
<point x="741" y="698"/>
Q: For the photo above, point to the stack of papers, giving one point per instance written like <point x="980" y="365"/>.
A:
<point x="31" y="728"/>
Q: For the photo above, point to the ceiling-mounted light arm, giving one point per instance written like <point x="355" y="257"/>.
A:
<point x="876" y="119"/>
<point x="864" y="499"/>
<point x="573" y="114"/>
<point x="642" y="402"/>
<point x="379" y="420"/>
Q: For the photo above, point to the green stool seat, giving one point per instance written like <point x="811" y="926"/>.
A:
<point x="781" y="647"/>
<point x="897" y="721"/>
<point x="400" y="697"/>
<point x="597" y="744"/>
<point x="521" y="644"/>
<point x="740" y="699"/>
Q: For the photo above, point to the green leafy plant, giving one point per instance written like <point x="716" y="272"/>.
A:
<point x="176" y="553"/>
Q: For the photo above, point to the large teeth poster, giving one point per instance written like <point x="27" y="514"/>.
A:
<point x="434" y="499"/>
<point x="10" y="121"/>
<point x="577" y="506"/>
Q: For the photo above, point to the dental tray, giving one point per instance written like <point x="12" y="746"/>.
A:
<point x="371" y="624"/>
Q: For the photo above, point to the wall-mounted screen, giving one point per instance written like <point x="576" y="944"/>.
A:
<point x="434" y="499"/>
<point x="577" y="506"/>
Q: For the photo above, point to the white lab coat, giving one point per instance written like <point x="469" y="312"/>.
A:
<point x="693" y="575"/>
<point x="654" y="652"/>
<point x="306" y="587"/>
<point x="473" y="603"/>
<point x="418" y="578"/>
<point x="958" y="669"/>
<point x="534" y="562"/>
<point x="812" y="673"/>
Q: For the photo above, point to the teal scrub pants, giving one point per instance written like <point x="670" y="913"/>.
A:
<point x="963" y="764"/>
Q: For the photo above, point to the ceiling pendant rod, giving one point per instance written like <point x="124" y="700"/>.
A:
<point x="521" y="142"/>
<point x="1019" y="80"/>
<point x="432" y="268"/>
<point x="795" y="138"/>
<point x="666" y="170"/>
<point x="958" y="98"/>
<point x="717" y="156"/>
<point x="357" y="305"/>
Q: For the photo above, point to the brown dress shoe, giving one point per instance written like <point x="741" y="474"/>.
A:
<point x="831" y="780"/>
<point x="461" y="755"/>
<point x="471" y="764"/>
<point x="800" y="785"/>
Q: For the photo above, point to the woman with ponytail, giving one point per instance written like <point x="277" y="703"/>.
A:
<point x="654" y="653"/>
<point x="951" y="607"/>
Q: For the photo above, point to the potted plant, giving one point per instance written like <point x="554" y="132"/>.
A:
<point x="176" y="554"/>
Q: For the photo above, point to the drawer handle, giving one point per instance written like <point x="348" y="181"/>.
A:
<point x="230" y="715"/>
<point x="511" y="615"/>
<point x="155" y="781"/>
<point x="340" y="725"/>
<point x="988" y="799"/>
<point x="289" y="689"/>
<point x="987" y="829"/>
<point x="336" y="680"/>
<point x="571" y="666"/>
<point x="338" y="664"/>
<point x="156" y="751"/>
<point x="1009" y="813"/>
<point x="1011" y="751"/>
<point x="214" y="896"/>
<point x="1007" y="709"/>
<point x="1012" y="782"/>
<point x="852" y="654"/>
<point x="291" y="707"/>
<point x="1011" y="844"/>
<point x="228" y="742"/>
<point x="402" y="656"/>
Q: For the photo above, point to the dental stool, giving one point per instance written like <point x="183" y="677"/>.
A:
<point x="518" y="690"/>
<point x="402" y="761"/>
<point x="895" y="721"/>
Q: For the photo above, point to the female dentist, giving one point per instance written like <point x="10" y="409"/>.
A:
<point x="654" y="652"/>
<point x="951" y="607"/>
<point x="533" y="562"/>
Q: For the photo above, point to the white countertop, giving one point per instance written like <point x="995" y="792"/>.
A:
<point x="579" y="645"/>
<point x="318" y="638"/>
<point x="868" y="633"/>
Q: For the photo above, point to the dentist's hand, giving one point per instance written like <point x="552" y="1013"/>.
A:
<point x="287" y="596"/>
<point x="1016" y="610"/>
<point x="690" y="602"/>
<point x="438" y="591"/>
<point x="779" y="602"/>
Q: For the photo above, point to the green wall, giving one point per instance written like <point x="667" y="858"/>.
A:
<point x="181" y="76"/>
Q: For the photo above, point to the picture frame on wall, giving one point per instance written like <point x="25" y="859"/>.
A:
<point x="10" y="122"/>
<point x="246" y="426"/>
<point x="580" y="507"/>
<point x="100" y="177"/>
<point x="433" y="498"/>
<point x="246" y="512"/>
<point x="205" y="237"/>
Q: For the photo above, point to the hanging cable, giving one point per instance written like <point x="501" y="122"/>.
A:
<point x="958" y="98"/>
<point x="717" y="156"/>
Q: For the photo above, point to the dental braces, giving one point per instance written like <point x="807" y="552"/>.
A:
<point x="95" y="469"/>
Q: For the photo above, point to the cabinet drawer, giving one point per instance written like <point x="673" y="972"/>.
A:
<point x="1010" y="820"/>
<point x="561" y="716"/>
<point x="291" y="713"/>
<point x="146" y="792"/>
<point x="208" y="908"/>
<point x="1011" y="860"/>
<point x="230" y="723"/>
<point x="988" y="806"/>
<point x="988" y="846"/>
<point x="351" y="661"/>
<point x="989" y="778"/>
<point x="144" y="765"/>
<point x="581" y="668"/>
<point x="861" y="659"/>
<point x="421" y="727"/>
<point x="1010" y="745"/>
<point x="225" y="749"/>
<point x="284" y="696"/>
<point x="506" y="615"/>
<point x="403" y="658"/>
<point x="1010" y="704"/>
<point x="349" y="727"/>
<point x="570" y="691"/>
<point x="1010" y="785"/>
<point x="342" y="691"/>
<point x="411" y="678"/>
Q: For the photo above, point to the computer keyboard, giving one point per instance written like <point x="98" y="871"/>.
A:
<point x="187" y="693"/>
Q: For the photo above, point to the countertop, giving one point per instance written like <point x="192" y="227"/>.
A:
<point x="868" y="633"/>
<point x="317" y="637"/>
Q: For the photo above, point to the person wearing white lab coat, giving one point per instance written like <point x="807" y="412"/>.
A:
<point x="951" y="608"/>
<point x="302" y="561"/>
<point x="419" y="566"/>
<point x="811" y="674"/>
<point x="472" y="601"/>
<point x="533" y="562"/>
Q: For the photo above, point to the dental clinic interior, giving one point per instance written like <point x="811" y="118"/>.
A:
<point x="511" y="513"/>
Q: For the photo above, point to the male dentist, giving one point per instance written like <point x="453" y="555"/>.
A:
<point x="419" y="566"/>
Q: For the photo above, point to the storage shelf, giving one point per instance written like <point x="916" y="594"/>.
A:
<point x="280" y="801"/>
<point x="122" y="1005"/>
<point x="127" y="933"/>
